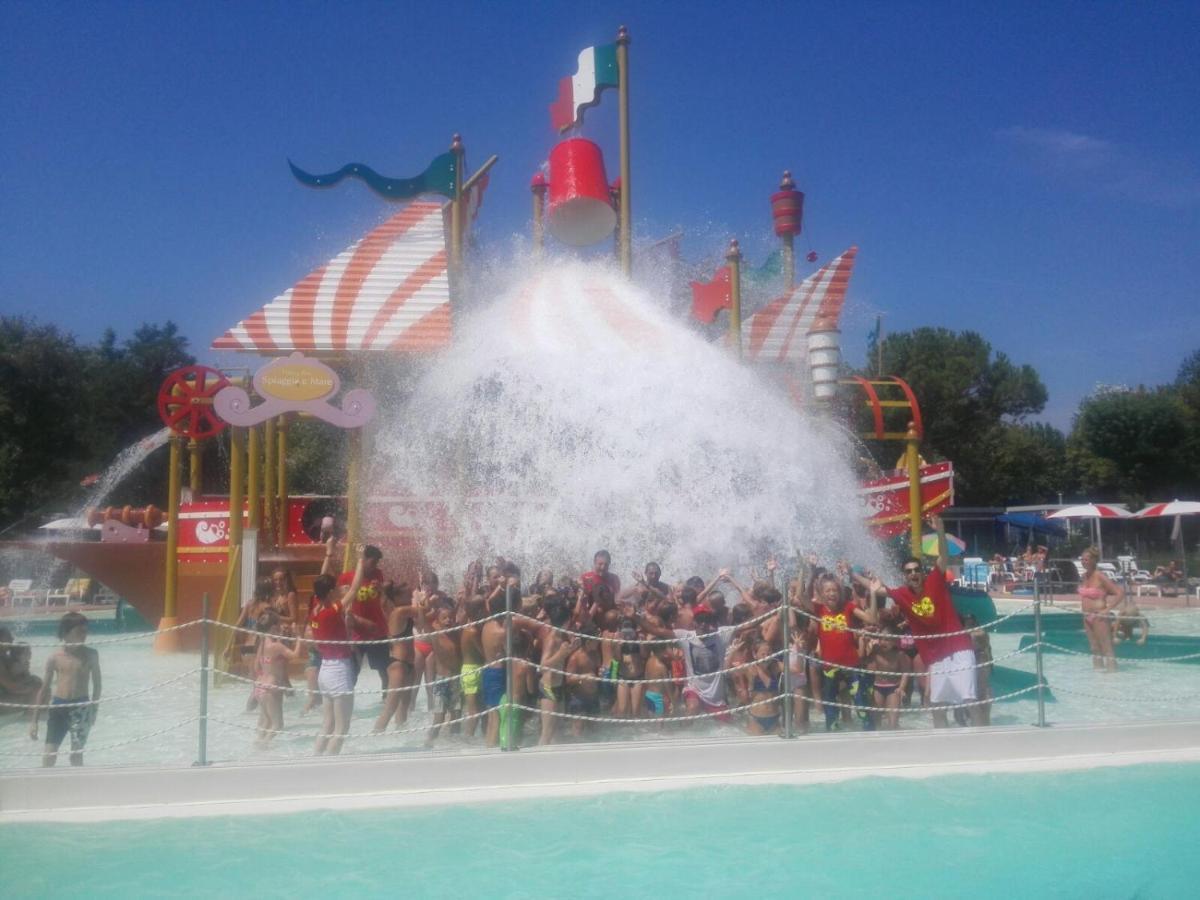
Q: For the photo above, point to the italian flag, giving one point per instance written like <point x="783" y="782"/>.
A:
<point x="597" y="71"/>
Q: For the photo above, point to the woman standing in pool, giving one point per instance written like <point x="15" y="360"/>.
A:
<point x="1098" y="596"/>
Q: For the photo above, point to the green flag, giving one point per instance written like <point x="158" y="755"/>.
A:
<point x="438" y="178"/>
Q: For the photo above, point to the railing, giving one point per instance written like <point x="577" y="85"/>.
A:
<point x="782" y="700"/>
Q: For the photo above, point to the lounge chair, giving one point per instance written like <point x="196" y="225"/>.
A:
<point x="23" y="593"/>
<point x="63" y="594"/>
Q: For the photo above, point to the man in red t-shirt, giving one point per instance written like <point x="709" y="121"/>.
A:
<point x="835" y="622"/>
<point x="948" y="654"/>
<point x="367" y="606"/>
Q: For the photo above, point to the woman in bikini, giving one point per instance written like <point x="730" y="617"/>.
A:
<point x="1098" y="596"/>
<point x="400" y="657"/>
<point x="423" y="660"/>
<point x="764" y="692"/>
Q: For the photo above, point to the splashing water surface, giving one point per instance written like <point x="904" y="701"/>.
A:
<point x="573" y="414"/>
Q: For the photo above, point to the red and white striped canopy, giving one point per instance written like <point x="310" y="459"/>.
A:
<point x="779" y="331"/>
<point x="1174" y="508"/>
<point x="1091" y="511"/>
<point x="388" y="292"/>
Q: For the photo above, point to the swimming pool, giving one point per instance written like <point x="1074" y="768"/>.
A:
<point x="158" y="727"/>
<point x="1096" y="833"/>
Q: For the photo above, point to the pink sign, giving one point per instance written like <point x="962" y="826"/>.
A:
<point x="295" y="384"/>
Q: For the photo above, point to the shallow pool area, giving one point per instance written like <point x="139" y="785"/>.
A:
<point x="1096" y="834"/>
<point x="152" y="704"/>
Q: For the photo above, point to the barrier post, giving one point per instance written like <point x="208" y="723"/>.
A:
<point x="1037" y="637"/>
<point x="785" y="630"/>
<point x="202" y="748"/>
<point x="506" y="739"/>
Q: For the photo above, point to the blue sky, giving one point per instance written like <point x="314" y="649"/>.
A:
<point x="1028" y="170"/>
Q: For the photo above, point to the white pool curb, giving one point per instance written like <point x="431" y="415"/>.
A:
<point x="424" y="779"/>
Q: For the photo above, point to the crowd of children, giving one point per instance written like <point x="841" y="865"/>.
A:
<point x="579" y="654"/>
<point x="586" y="652"/>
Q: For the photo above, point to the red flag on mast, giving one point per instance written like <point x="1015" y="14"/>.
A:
<point x="710" y="297"/>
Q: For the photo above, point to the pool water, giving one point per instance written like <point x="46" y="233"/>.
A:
<point x="1090" y="834"/>
<point x="154" y="727"/>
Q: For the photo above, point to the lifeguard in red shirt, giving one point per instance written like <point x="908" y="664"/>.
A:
<point x="948" y="655"/>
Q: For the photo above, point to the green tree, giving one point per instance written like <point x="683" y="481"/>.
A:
<point x="971" y="399"/>
<point x="67" y="409"/>
<point x="42" y="447"/>
<point x="1133" y="442"/>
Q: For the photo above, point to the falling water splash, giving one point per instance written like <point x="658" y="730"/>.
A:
<point x="127" y="460"/>
<point x="574" y="414"/>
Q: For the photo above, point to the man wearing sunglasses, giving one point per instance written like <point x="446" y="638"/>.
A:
<point x="948" y="654"/>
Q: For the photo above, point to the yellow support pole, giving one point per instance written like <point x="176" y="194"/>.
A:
<point x="254" y="477"/>
<point x="353" y="499"/>
<point x="269" y="505"/>
<point x="912" y="459"/>
<point x="168" y="641"/>
<point x="195" y="468"/>
<point x="734" y="259"/>
<point x="626" y="225"/>
<point x="228" y="611"/>
<point x="237" y="497"/>
<point x="281" y="489"/>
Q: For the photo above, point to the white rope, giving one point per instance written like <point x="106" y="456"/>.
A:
<point x="1124" y="659"/>
<point x="348" y="736"/>
<point x="106" y="639"/>
<point x="932" y="708"/>
<point x="106" y="699"/>
<point x="676" y="679"/>
<point x="724" y="711"/>
<point x="924" y="637"/>
<point x="772" y="613"/>
<point x="125" y="743"/>
<point x="368" y="691"/>
<point x="983" y="665"/>
<point x="357" y="643"/>
<point x="1179" y="698"/>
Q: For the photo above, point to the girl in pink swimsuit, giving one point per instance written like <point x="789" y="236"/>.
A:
<point x="1095" y="591"/>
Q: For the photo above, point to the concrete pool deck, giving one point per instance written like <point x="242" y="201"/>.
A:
<point x="420" y="779"/>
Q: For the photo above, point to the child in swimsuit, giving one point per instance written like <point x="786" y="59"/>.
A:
<point x="68" y="672"/>
<point x="764" y="692"/>
<point x="270" y="675"/>
<point x="891" y="668"/>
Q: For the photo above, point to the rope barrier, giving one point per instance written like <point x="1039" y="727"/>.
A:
<point x="935" y="707"/>
<point x="107" y="699"/>
<point x="125" y="743"/>
<point x="923" y="637"/>
<point x="369" y="691"/>
<point x="348" y="736"/>
<point x="1018" y="652"/>
<point x="770" y="614"/>
<point x="107" y="639"/>
<point x="677" y="679"/>
<point x="1179" y="698"/>
<point x="359" y="643"/>
<point x="1123" y="659"/>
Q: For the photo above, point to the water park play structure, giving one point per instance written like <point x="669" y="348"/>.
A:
<point x="400" y="294"/>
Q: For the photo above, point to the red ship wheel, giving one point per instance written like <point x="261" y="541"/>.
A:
<point x="185" y="401"/>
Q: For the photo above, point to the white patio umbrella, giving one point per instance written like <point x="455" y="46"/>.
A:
<point x="1095" y="511"/>
<point x="1175" y="509"/>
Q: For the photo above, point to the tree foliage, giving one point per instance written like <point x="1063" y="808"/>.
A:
<point x="66" y="409"/>
<point x="974" y="402"/>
